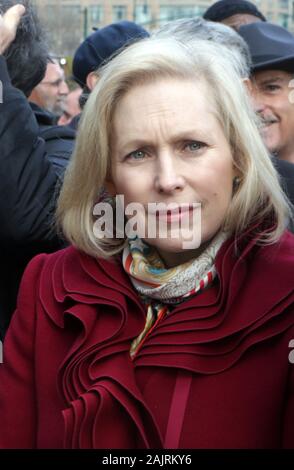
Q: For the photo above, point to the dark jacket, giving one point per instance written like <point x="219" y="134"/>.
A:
<point x="286" y="172"/>
<point x="213" y="373"/>
<point x="59" y="139"/>
<point x="31" y="168"/>
<point x="74" y="123"/>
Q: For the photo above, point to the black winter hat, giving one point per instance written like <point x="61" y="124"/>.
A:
<point x="270" y="45"/>
<point x="101" y="45"/>
<point x="226" y="8"/>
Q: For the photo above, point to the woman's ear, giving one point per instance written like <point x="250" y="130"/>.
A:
<point x="92" y="79"/>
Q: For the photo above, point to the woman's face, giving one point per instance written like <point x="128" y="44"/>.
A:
<point x="168" y="147"/>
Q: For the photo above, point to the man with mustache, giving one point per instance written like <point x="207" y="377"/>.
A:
<point x="272" y="52"/>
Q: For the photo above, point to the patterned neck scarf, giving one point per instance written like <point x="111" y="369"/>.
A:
<point x="160" y="286"/>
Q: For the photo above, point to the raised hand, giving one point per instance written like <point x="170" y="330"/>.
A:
<point x="8" y="25"/>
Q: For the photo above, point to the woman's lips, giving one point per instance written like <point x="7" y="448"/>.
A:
<point x="174" y="214"/>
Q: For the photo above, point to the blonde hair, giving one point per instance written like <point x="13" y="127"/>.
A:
<point x="258" y="197"/>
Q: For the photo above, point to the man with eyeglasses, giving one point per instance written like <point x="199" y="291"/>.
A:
<point x="50" y="94"/>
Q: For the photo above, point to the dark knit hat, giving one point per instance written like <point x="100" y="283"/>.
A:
<point x="270" y="45"/>
<point x="226" y="8"/>
<point x="101" y="45"/>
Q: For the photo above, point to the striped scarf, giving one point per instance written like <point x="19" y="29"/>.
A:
<point x="160" y="287"/>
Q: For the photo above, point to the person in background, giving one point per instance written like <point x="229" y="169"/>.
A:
<point x="102" y="45"/>
<point x="51" y="93"/>
<point x="131" y="340"/>
<point x="33" y="153"/>
<point x="195" y="29"/>
<point x="272" y="73"/>
<point x="71" y="106"/>
<point x="234" y="13"/>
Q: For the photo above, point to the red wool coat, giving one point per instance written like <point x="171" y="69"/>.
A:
<point x="214" y="373"/>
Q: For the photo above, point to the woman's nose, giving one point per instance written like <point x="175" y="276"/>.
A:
<point x="168" y="176"/>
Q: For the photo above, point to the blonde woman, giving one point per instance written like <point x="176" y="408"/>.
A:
<point x="175" y="338"/>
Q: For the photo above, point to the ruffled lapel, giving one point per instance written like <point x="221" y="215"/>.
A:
<point x="100" y="315"/>
<point x="94" y="303"/>
<point x="75" y="276"/>
<point x="225" y="321"/>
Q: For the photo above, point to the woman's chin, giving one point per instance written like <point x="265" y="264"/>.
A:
<point x="173" y="245"/>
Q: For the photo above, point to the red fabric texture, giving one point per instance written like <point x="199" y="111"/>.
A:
<point x="68" y="380"/>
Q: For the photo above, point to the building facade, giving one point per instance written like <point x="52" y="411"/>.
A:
<point x="68" y="22"/>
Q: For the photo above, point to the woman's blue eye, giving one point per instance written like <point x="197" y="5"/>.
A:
<point x="137" y="155"/>
<point x="193" y="146"/>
